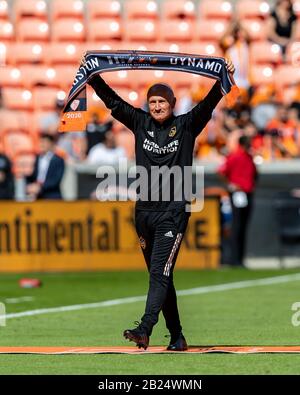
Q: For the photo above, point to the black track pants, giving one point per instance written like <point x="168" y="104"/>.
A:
<point x="160" y="235"/>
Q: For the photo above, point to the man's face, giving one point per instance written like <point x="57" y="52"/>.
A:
<point x="45" y="145"/>
<point x="160" y="109"/>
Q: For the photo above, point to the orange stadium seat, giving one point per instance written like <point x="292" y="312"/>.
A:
<point x="261" y="75"/>
<point x="166" y="46"/>
<point x="215" y="9"/>
<point x="4" y="14"/>
<point x="121" y="78"/>
<point x="104" y="29"/>
<point x="67" y="8"/>
<point x="30" y="8"/>
<point x="6" y="31"/>
<point x="105" y="45"/>
<point x="65" y="75"/>
<point x="203" y="48"/>
<point x="10" y="76"/>
<point x="265" y="52"/>
<point x="141" y="9"/>
<point x="210" y="29"/>
<point x="174" y="9"/>
<point x="255" y="28"/>
<point x="141" y="30"/>
<point x="173" y="30"/>
<point x="32" y="29"/>
<point x="68" y="29"/>
<point x="26" y="52"/>
<point x="15" y="120"/>
<point x="293" y="53"/>
<point x="130" y="95"/>
<point x="103" y="9"/>
<point x="287" y="75"/>
<point x="252" y="9"/>
<point x="17" y="99"/>
<point x="38" y="75"/>
<point x="62" y="53"/>
<point x="44" y="98"/>
<point x="16" y="141"/>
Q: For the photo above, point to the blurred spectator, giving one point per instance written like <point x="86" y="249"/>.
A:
<point x="240" y="174"/>
<point x="95" y="131"/>
<point x="282" y="24"/>
<point x="44" y="182"/>
<point x="72" y="146"/>
<point x="264" y="106"/>
<point x="6" y="178"/>
<point x="49" y="122"/>
<point x="235" y="45"/>
<point x="106" y="153"/>
<point x="283" y="130"/>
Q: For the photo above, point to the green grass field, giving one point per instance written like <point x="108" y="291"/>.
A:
<point x="256" y="315"/>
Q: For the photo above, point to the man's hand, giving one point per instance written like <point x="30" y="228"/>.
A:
<point x="229" y="66"/>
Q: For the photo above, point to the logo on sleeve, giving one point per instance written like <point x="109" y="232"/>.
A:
<point x="172" y="131"/>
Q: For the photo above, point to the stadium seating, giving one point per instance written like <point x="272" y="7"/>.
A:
<point x="177" y="31"/>
<point x="215" y="9"/>
<point x="7" y="33"/>
<point x="17" y="99"/>
<point x="10" y="76"/>
<point x="4" y="14"/>
<point x="63" y="53"/>
<point x="141" y="30"/>
<point x="41" y="43"/>
<point x="68" y="29"/>
<point x="252" y="9"/>
<point x="265" y="52"/>
<point x="210" y="29"/>
<point x="178" y="9"/>
<point x="30" y="8"/>
<point x="32" y="29"/>
<point x="137" y="9"/>
<point x="262" y="75"/>
<point x="27" y="52"/>
<point x="255" y="28"/>
<point x="67" y="8"/>
<point x="103" y="9"/>
<point x="104" y="29"/>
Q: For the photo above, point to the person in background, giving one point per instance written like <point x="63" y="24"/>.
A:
<point x="106" y="153"/>
<point x="95" y="131"/>
<point x="44" y="182"/>
<point x="6" y="178"/>
<point x="50" y="121"/>
<point x="235" y="45"/>
<point x="240" y="174"/>
<point x="281" y="25"/>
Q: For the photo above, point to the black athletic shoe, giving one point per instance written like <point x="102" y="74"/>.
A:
<point x="137" y="335"/>
<point x="178" y="344"/>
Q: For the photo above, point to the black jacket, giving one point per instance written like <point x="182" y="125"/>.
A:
<point x="7" y="185"/>
<point x="51" y="186"/>
<point x="169" y="144"/>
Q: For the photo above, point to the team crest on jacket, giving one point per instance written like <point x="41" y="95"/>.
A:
<point x="142" y="243"/>
<point x="172" y="131"/>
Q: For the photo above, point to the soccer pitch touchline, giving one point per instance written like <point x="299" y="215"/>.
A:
<point x="133" y="299"/>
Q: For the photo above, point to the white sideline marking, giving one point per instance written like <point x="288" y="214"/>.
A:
<point x="133" y="299"/>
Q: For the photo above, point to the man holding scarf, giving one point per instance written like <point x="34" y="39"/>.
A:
<point x="162" y="140"/>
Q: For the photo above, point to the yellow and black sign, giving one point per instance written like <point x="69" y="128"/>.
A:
<point x="89" y="235"/>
